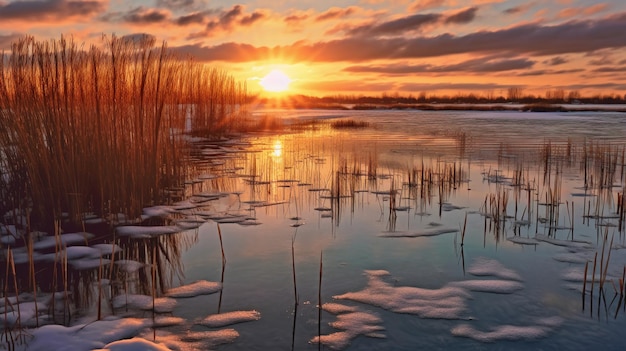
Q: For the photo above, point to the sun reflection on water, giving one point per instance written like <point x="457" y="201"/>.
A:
<point x="278" y="149"/>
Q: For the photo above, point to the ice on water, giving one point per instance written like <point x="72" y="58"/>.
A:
<point x="229" y="318"/>
<point x="483" y="266"/>
<point x="509" y="332"/>
<point x="201" y="287"/>
<point x="144" y="302"/>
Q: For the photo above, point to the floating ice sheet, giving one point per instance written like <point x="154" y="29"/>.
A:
<point x="425" y="232"/>
<point x="49" y="242"/>
<point x="523" y="241"/>
<point x="509" y="332"/>
<point x="228" y="318"/>
<point x="353" y="324"/>
<point x="444" y="303"/>
<point x="483" y="266"/>
<point x="84" y="337"/>
<point x="336" y="308"/>
<point x="490" y="286"/>
<point x="139" y="231"/>
<point x="134" y="344"/>
<point x="201" y="287"/>
<point x="144" y="302"/>
<point x="565" y="243"/>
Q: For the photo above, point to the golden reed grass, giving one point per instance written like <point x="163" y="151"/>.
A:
<point x="100" y="129"/>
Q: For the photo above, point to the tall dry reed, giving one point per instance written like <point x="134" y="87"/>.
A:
<point x="99" y="129"/>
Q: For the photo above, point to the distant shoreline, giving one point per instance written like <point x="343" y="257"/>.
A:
<point x="538" y="107"/>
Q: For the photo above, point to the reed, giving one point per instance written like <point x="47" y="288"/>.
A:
<point x="100" y="129"/>
<point x="293" y="271"/>
<point x="319" y="306"/>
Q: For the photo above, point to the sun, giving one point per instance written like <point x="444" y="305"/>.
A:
<point x="276" y="81"/>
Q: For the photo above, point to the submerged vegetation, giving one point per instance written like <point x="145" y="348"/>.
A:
<point x="102" y="130"/>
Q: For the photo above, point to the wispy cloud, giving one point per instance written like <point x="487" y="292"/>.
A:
<point x="50" y="9"/>
<point x="421" y="5"/>
<point x="335" y="13"/>
<point x="142" y="15"/>
<point x="536" y="39"/>
<point x="478" y="65"/>
<point x="571" y="12"/>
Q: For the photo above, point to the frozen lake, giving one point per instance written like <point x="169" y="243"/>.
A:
<point x="434" y="230"/>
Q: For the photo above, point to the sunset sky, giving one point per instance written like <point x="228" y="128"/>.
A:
<point x="365" y="47"/>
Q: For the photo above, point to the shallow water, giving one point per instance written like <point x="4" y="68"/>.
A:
<point x="351" y="239"/>
<point x="402" y="216"/>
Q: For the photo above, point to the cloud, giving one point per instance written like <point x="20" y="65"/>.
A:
<point x="407" y="24"/>
<point x="619" y="69"/>
<point x="555" y="61"/>
<point x="335" y="13"/>
<point x="479" y="65"/>
<point x="519" y="9"/>
<point x="142" y="15"/>
<point x="50" y="9"/>
<point x="544" y="72"/>
<point x="192" y="18"/>
<point x="229" y="20"/>
<point x="421" y="5"/>
<point x="463" y="16"/>
<point x="186" y="5"/>
<point x="296" y="18"/>
<point x="535" y="39"/>
<point x="586" y="11"/>
<point x="397" y="26"/>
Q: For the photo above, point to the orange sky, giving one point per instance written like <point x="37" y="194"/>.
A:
<point x="364" y="47"/>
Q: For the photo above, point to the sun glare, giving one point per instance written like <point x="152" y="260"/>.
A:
<point x="276" y="81"/>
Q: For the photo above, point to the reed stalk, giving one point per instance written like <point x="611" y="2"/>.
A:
<point x="99" y="129"/>
<point x="319" y="307"/>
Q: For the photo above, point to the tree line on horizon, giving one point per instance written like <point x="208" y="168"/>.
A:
<point x="513" y="95"/>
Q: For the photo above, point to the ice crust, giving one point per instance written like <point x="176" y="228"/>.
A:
<point x="228" y="318"/>
<point x="421" y="233"/>
<point x="201" y="287"/>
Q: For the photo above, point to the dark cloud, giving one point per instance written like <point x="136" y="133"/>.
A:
<point x="141" y="15"/>
<point x="409" y="24"/>
<point x="529" y="39"/>
<point x="49" y="9"/>
<point x="334" y="13"/>
<point x="251" y="18"/>
<point x="574" y="36"/>
<point x="228" y="20"/>
<point x="398" y="26"/>
<point x="295" y="18"/>
<point x="192" y="18"/>
<point x="555" y="61"/>
<point x="470" y="66"/>
<point x="619" y="69"/>
<point x="601" y="61"/>
<point x="177" y="5"/>
<point x="519" y="9"/>
<point x="232" y="52"/>
<point x="462" y="17"/>
<point x="544" y="72"/>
